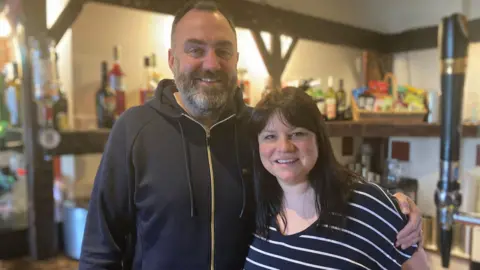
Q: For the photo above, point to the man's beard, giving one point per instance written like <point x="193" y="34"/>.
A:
<point x="202" y="100"/>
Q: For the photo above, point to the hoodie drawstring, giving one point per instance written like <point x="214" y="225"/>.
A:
<point x="187" y="168"/>
<point x="240" y="170"/>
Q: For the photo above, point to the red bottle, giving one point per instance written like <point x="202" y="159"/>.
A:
<point x="116" y="76"/>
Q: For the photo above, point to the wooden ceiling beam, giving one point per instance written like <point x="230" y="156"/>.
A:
<point x="65" y="19"/>
<point x="261" y="17"/>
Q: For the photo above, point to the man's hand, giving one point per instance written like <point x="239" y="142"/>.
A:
<point x="412" y="233"/>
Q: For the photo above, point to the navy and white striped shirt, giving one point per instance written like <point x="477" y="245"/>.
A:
<point x="366" y="242"/>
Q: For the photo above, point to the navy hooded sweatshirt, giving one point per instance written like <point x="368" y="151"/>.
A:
<point x="170" y="194"/>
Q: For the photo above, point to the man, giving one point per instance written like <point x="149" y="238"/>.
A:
<point x="174" y="188"/>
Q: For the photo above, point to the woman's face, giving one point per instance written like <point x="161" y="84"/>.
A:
<point x="289" y="153"/>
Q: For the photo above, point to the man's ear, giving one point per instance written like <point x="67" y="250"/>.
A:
<point x="171" y="59"/>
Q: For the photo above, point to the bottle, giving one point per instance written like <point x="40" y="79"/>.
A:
<point x="330" y="101"/>
<point x="12" y="95"/>
<point x="146" y="90"/>
<point x="244" y="85"/>
<point x="116" y="82"/>
<point x="105" y="101"/>
<point x="156" y="76"/>
<point x="4" y="114"/>
<point x="341" y="101"/>
<point x="60" y="107"/>
<point x="45" y="89"/>
<point x="316" y="92"/>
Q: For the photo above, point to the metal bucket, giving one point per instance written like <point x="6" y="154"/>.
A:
<point x="74" y="219"/>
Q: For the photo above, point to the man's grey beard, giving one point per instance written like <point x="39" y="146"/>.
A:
<point x="204" y="102"/>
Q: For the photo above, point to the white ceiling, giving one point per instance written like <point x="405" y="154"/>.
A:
<point x="387" y="16"/>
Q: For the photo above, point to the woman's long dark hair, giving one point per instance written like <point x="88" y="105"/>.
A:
<point x="331" y="181"/>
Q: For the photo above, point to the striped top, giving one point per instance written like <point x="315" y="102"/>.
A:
<point x="366" y="242"/>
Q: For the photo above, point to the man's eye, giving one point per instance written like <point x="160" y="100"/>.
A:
<point x="196" y="52"/>
<point x="223" y="53"/>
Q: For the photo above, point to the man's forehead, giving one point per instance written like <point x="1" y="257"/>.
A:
<point x="198" y="24"/>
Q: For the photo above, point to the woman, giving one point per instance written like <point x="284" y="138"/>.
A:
<point x="312" y="212"/>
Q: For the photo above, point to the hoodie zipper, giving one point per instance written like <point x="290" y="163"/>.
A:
<point x="212" y="186"/>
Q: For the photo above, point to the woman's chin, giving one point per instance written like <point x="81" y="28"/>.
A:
<point x="290" y="179"/>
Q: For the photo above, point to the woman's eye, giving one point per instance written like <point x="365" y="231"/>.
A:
<point x="298" y="134"/>
<point x="268" y="137"/>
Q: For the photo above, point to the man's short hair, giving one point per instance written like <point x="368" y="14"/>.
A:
<point x="203" y="5"/>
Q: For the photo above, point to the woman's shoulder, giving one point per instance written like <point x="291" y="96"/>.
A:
<point x="380" y="205"/>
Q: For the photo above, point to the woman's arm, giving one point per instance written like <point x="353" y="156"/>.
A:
<point x="418" y="261"/>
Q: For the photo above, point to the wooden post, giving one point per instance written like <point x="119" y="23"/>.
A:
<point x="273" y="59"/>
<point x="42" y="230"/>
<point x="65" y="19"/>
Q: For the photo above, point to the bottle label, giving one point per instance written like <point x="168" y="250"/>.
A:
<point x="321" y="106"/>
<point x="62" y="120"/>
<point x="116" y="82"/>
<point x="109" y="104"/>
<point x="120" y="102"/>
<point x="331" y="108"/>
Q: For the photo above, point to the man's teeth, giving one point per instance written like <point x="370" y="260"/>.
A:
<point x="286" y="161"/>
<point x="209" y="80"/>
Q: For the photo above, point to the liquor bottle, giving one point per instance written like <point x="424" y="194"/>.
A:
<point x="244" y="85"/>
<point x="45" y="89"/>
<point x="330" y="101"/>
<point x="60" y="107"/>
<point x="316" y="92"/>
<point x="341" y="101"/>
<point x="105" y="101"/>
<point x="146" y="90"/>
<point x="116" y="75"/>
<point x="4" y="114"/>
<point x="156" y="76"/>
<point x="12" y="95"/>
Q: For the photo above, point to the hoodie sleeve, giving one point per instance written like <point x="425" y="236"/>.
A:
<point x="108" y="214"/>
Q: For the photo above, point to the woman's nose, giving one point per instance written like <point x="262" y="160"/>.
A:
<point x="285" y="145"/>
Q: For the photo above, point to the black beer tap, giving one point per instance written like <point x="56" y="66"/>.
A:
<point x="453" y="45"/>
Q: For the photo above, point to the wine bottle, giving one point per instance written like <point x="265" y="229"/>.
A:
<point x="60" y="107"/>
<point x="146" y="91"/>
<point x="330" y="101"/>
<point x="105" y="101"/>
<point x="156" y="76"/>
<point x="116" y="75"/>
<point x="13" y="95"/>
<point x="341" y="101"/>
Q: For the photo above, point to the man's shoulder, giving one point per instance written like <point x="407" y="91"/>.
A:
<point x="132" y="121"/>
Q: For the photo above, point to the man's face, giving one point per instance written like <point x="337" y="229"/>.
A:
<point x="204" y="60"/>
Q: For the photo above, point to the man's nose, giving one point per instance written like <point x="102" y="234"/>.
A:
<point x="211" y="61"/>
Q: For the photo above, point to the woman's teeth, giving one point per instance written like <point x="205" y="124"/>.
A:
<point x="286" y="161"/>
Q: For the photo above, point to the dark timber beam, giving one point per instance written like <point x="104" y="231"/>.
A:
<point x="424" y="38"/>
<point x="273" y="59"/>
<point x="65" y="20"/>
<point x="261" y="17"/>
<point x="42" y="230"/>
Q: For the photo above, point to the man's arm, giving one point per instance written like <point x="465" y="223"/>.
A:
<point x="108" y="219"/>
<point x="412" y="233"/>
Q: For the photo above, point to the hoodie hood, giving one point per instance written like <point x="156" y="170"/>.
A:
<point x="164" y="101"/>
